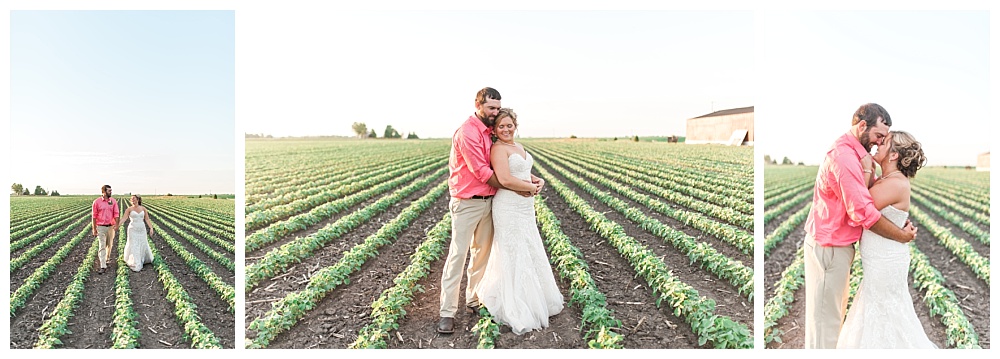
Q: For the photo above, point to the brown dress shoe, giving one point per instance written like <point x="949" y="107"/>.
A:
<point x="446" y="325"/>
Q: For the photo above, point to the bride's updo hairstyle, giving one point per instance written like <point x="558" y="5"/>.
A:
<point x="138" y="199"/>
<point x="506" y="112"/>
<point x="911" y="153"/>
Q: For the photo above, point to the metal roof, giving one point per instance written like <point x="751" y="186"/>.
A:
<point x="731" y="111"/>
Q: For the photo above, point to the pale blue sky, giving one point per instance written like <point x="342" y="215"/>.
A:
<point x="141" y="100"/>
<point x="929" y="69"/>
<point x="583" y="73"/>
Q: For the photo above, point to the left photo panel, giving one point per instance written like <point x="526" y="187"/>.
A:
<point x="123" y="167"/>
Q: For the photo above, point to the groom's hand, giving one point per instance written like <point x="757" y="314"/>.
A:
<point x="539" y="183"/>
<point x="910" y="230"/>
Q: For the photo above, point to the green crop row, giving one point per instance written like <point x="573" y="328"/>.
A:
<point x="333" y="183"/>
<point x="486" y="330"/>
<point x="942" y="301"/>
<point x="597" y="320"/>
<point x="54" y="328"/>
<point x="771" y="213"/>
<point x="790" y="193"/>
<point x="124" y="334"/>
<point x="290" y="309"/>
<point x="218" y="257"/>
<point x="268" y="216"/>
<point x="958" y="246"/>
<point x="387" y="310"/>
<point x="29" y="254"/>
<point x="697" y="311"/>
<point x="703" y="253"/>
<point x="42" y="227"/>
<point x="371" y="188"/>
<point x="969" y="227"/>
<point x="184" y="309"/>
<point x="278" y="259"/>
<point x="202" y="230"/>
<point x="792" y="223"/>
<point x="682" y="197"/>
<point x="779" y="304"/>
<point x="723" y="186"/>
<point x="31" y="284"/>
<point x="225" y="291"/>
<point x="669" y="187"/>
<point x="975" y="215"/>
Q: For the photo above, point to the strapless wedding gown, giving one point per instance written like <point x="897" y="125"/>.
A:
<point x="137" y="251"/>
<point x="518" y="287"/>
<point x="882" y="314"/>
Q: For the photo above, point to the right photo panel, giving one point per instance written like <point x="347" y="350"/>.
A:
<point x="876" y="145"/>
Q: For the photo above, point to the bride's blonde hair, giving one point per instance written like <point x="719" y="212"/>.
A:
<point x="911" y="153"/>
<point x="506" y="112"/>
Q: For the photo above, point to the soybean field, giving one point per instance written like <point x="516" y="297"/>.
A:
<point x="651" y="245"/>
<point x="184" y="299"/>
<point x="950" y="258"/>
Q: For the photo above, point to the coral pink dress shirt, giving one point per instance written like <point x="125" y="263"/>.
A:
<point x="105" y="213"/>
<point x="469" y="162"/>
<point x="842" y="206"/>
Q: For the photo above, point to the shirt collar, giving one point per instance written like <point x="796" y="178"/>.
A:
<point x="855" y="144"/>
<point x="479" y="124"/>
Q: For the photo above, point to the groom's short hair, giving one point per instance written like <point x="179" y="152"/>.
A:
<point x="870" y="112"/>
<point x="104" y="188"/>
<point x="487" y="93"/>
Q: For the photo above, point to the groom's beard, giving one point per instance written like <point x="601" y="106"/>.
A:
<point x="866" y="140"/>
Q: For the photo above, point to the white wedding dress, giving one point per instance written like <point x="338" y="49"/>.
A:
<point x="518" y="287"/>
<point x="137" y="251"/>
<point x="882" y="314"/>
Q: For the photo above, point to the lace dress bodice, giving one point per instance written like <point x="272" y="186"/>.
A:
<point x="137" y="220"/>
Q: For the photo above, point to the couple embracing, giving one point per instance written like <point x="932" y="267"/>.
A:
<point x="493" y="220"/>
<point x="851" y="205"/>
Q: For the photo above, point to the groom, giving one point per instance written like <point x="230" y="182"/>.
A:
<point x="472" y="185"/>
<point x="842" y="208"/>
<point x="104" y="214"/>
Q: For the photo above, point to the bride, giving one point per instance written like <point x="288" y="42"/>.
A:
<point x="518" y="287"/>
<point x="882" y="314"/>
<point x="137" y="251"/>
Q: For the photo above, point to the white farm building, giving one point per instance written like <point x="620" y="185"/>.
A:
<point x="731" y="127"/>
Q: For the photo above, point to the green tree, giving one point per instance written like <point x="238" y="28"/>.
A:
<point x="635" y="138"/>
<point x="54" y="193"/>
<point x="39" y="191"/>
<point x="786" y="161"/>
<point x="25" y="192"/>
<point x="372" y="134"/>
<point x="412" y="136"/>
<point x="767" y="159"/>
<point x="360" y="129"/>
<point x="391" y="132"/>
<point x="17" y="188"/>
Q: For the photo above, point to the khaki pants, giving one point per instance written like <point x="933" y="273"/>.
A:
<point x="105" y="240"/>
<point x="828" y="271"/>
<point x="471" y="231"/>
